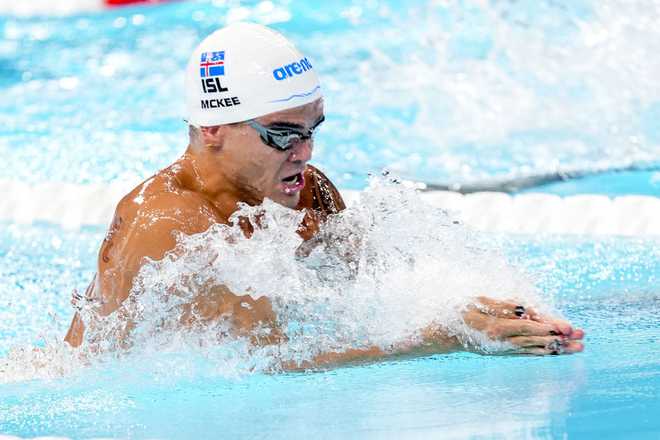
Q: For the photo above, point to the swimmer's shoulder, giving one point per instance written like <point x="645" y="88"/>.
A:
<point x="320" y="194"/>
<point x="161" y="204"/>
<point x="146" y="224"/>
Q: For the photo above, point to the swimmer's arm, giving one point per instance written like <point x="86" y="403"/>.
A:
<point x="131" y="241"/>
<point x="430" y="342"/>
<point x="150" y="237"/>
<point x="356" y="356"/>
<point x="249" y="317"/>
<point x="529" y="334"/>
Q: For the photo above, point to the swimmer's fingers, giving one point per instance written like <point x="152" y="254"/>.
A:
<point x="512" y="310"/>
<point x="508" y="328"/>
<point x="576" y="334"/>
<point x="536" y="341"/>
<point x="563" y="327"/>
<point x="504" y="309"/>
<point x="501" y="328"/>
<point x="571" y="347"/>
<point x="545" y="345"/>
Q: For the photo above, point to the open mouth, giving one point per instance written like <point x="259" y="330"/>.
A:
<point x="293" y="183"/>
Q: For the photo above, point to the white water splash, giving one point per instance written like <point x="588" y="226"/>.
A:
<point x="468" y="90"/>
<point x="376" y="274"/>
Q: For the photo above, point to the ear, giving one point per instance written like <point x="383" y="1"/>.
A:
<point x="211" y="131"/>
<point x="212" y="136"/>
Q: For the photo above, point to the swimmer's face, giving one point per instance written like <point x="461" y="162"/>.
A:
<point x="264" y="171"/>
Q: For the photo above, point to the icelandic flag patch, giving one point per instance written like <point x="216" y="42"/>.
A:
<point x="212" y="64"/>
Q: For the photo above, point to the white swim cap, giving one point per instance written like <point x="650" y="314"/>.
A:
<point x="244" y="71"/>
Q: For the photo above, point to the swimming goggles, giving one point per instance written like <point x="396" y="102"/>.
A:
<point x="283" y="136"/>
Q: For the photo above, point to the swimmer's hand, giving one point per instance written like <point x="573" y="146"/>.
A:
<point x="525" y="330"/>
<point x="522" y="329"/>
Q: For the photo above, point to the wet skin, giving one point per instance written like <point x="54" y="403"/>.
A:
<point x="225" y="165"/>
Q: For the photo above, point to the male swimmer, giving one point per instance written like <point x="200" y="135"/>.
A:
<point x="253" y="103"/>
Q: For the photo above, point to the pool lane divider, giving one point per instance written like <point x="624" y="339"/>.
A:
<point x="72" y="206"/>
<point x="515" y="184"/>
<point x="113" y="3"/>
<point x="28" y="8"/>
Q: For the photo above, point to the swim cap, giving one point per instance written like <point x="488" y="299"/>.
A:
<point x="244" y="71"/>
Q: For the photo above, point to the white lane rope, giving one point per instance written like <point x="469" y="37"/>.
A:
<point x="48" y="8"/>
<point x="514" y="184"/>
<point x="72" y="206"/>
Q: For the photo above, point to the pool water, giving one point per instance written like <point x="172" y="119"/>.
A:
<point x="609" y="287"/>
<point x="442" y="92"/>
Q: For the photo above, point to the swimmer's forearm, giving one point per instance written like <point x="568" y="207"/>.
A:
<point x="433" y="341"/>
<point x="336" y="359"/>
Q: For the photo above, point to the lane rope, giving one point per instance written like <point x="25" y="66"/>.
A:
<point x="72" y="206"/>
<point x="49" y="8"/>
<point x="514" y="184"/>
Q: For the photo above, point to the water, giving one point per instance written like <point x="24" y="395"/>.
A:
<point x="178" y="390"/>
<point x="440" y="91"/>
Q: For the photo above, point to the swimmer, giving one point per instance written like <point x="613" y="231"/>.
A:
<point x="253" y="104"/>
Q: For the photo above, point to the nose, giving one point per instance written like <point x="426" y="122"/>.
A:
<point x="302" y="151"/>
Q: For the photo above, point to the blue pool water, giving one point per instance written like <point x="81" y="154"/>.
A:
<point x="441" y="92"/>
<point x="608" y="287"/>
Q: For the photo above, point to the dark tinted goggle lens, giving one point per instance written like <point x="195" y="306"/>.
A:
<point x="283" y="138"/>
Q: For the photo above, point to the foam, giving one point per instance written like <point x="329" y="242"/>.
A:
<point x="392" y="256"/>
<point x="73" y="206"/>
